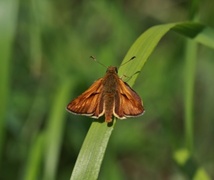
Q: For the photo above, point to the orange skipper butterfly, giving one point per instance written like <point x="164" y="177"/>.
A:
<point x="109" y="96"/>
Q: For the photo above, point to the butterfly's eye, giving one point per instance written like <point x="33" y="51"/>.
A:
<point x="116" y="70"/>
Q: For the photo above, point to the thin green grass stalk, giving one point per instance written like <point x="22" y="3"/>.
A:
<point x="190" y="65"/>
<point x="54" y="131"/>
<point x="8" y="20"/>
<point x="36" y="155"/>
<point x="190" y="58"/>
<point x="93" y="149"/>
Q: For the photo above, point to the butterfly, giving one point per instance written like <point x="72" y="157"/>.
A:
<point x="109" y="96"/>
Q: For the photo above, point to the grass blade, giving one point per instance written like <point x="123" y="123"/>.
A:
<point x="54" y="131"/>
<point x="93" y="149"/>
<point x="190" y="58"/>
<point x="35" y="158"/>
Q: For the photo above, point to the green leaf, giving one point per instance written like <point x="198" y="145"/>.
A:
<point x="93" y="149"/>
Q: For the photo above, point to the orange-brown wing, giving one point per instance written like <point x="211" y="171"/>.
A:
<point x="89" y="103"/>
<point x="127" y="102"/>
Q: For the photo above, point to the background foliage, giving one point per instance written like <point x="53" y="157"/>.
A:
<point x="45" y="47"/>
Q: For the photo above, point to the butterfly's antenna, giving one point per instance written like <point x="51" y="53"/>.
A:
<point x="128" y="60"/>
<point x="92" y="57"/>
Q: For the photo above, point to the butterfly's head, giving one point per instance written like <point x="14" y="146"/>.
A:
<point x="111" y="69"/>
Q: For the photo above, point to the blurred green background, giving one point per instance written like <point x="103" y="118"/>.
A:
<point x="45" y="47"/>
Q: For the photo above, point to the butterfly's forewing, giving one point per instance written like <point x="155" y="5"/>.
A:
<point x="127" y="102"/>
<point x="89" y="103"/>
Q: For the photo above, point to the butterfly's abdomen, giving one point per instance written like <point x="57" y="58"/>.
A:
<point x="109" y="90"/>
<point x="108" y="105"/>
